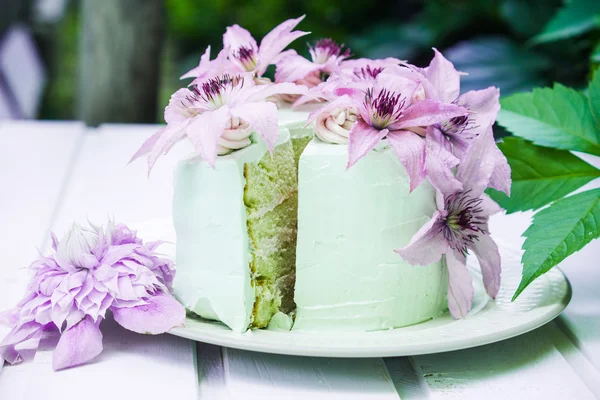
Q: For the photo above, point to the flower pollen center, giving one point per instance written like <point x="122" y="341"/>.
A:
<point x="385" y="108"/>
<point x="464" y="223"/>
<point x="367" y="72"/>
<point x="247" y="58"/>
<point x="215" y="90"/>
<point x="326" y="48"/>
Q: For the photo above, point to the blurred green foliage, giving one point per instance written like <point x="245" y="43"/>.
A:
<point x="513" y="44"/>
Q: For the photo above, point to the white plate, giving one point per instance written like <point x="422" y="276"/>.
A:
<point x="489" y="321"/>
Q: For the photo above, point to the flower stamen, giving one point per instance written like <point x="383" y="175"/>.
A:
<point x="385" y="108"/>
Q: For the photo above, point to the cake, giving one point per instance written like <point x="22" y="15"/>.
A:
<point x="344" y="196"/>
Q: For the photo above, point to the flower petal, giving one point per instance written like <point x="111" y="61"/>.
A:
<point x="410" y="149"/>
<point x="444" y="77"/>
<point x="478" y="163"/>
<point x="261" y="92"/>
<point x="460" y="285"/>
<point x="427" y="245"/>
<point x="29" y="334"/>
<point x="439" y="162"/>
<point x="484" y="104"/>
<point x="78" y="345"/>
<point x="362" y="138"/>
<point x="235" y="37"/>
<point x="488" y="255"/>
<point x="501" y="175"/>
<point x="427" y="112"/>
<point x="263" y="119"/>
<point x="275" y="41"/>
<point x="161" y="313"/>
<point x="201" y="68"/>
<point x="488" y="206"/>
<point x="205" y="130"/>
<point x="169" y="136"/>
<point x="292" y="67"/>
<point x="146" y="147"/>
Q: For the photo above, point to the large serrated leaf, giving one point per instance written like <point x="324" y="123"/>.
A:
<point x="557" y="232"/>
<point x="559" y="117"/>
<point x="540" y="175"/>
<point x="594" y="97"/>
<point x="575" y="18"/>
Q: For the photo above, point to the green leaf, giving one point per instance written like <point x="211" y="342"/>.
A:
<point x="575" y="18"/>
<point x="594" y="98"/>
<point x="595" y="56"/>
<point x="557" y="232"/>
<point x="540" y="175"/>
<point x="527" y="17"/>
<point x="558" y="117"/>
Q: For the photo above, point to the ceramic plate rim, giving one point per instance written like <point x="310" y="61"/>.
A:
<point x="447" y="334"/>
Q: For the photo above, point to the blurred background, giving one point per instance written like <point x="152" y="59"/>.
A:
<point x="119" y="60"/>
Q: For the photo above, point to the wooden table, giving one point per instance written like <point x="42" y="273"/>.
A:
<point x="52" y="173"/>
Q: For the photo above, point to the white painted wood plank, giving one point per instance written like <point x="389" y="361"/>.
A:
<point x="103" y="184"/>
<point x="132" y="365"/>
<point x="525" y="367"/>
<point x="251" y="375"/>
<point x="35" y="160"/>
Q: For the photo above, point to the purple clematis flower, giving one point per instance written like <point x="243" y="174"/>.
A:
<point x="208" y="68"/>
<point x="349" y="72"/>
<point x="218" y="116"/>
<point x="455" y="135"/>
<point x="461" y="224"/>
<point x="243" y="54"/>
<point x="326" y="57"/>
<point x="386" y="110"/>
<point x="92" y="270"/>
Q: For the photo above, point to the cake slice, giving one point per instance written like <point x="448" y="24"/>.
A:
<point x="236" y="234"/>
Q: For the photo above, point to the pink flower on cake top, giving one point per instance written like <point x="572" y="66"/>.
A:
<point x="326" y="57"/>
<point x="461" y="224"/>
<point x="347" y="73"/>
<point x="385" y="109"/>
<point x="242" y="54"/>
<point x="92" y="270"/>
<point x="218" y="116"/>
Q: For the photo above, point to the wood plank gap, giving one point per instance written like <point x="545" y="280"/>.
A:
<point x="407" y="378"/>
<point x="569" y="347"/>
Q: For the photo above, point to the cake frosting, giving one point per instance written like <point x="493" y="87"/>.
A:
<point x="220" y="257"/>
<point x="213" y="248"/>
<point x="347" y="276"/>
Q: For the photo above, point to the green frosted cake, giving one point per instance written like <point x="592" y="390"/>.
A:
<point x="239" y="246"/>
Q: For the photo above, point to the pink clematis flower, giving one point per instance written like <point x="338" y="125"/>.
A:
<point x="326" y="56"/>
<point x="208" y="68"/>
<point x="241" y="53"/>
<point x="92" y="270"/>
<point x="461" y="224"/>
<point x="386" y="110"/>
<point x="218" y="116"/>
<point x="248" y="56"/>
<point x="456" y="134"/>
<point x="349" y="72"/>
